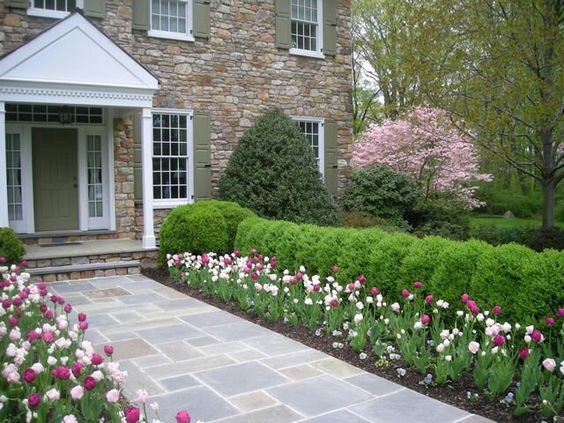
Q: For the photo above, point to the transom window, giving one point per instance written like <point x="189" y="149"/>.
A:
<point x="312" y="128"/>
<point x="170" y="156"/>
<point x="305" y="26"/>
<point x="171" y="19"/>
<point x="52" y="114"/>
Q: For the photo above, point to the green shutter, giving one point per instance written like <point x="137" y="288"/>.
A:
<point x="202" y="156"/>
<point x="95" y="8"/>
<point x="283" y="35"/>
<point x="141" y="11"/>
<point x="17" y="4"/>
<point x="330" y="140"/>
<point x="137" y="168"/>
<point x="329" y="27"/>
<point x="201" y="19"/>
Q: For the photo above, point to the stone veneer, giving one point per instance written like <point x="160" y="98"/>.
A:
<point x="235" y="75"/>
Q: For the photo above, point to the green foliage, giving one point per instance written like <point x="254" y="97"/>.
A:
<point x="380" y="192"/>
<point x="518" y="279"/>
<point x="440" y="216"/>
<point x="546" y="238"/>
<point x="233" y="214"/>
<point x="521" y="281"/>
<point x="421" y="260"/>
<point x="195" y="229"/>
<point x="521" y="205"/>
<point x="11" y="248"/>
<point x="273" y="171"/>
<point x="455" y="264"/>
<point x="502" y="235"/>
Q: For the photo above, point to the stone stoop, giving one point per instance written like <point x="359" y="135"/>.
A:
<point x="88" y="260"/>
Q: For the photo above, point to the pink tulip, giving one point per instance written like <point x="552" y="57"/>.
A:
<point x="29" y="375"/>
<point x="404" y="293"/>
<point x="48" y="337"/>
<point x="335" y="269"/>
<point x="425" y="319"/>
<point x="523" y="353"/>
<point x="549" y="321"/>
<point x="77" y="368"/>
<point x="33" y="400"/>
<point x="374" y="291"/>
<point x="361" y="278"/>
<point x="496" y="309"/>
<point x="334" y="303"/>
<point x="97" y="359"/>
<point x="560" y="312"/>
<point x="68" y="308"/>
<point x="464" y="298"/>
<point x="429" y="299"/>
<point x="108" y="350"/>
<point x="182" y="417"/>
<point x="537" y="336"/>
<point x="498" y="340"/>
<point x="417" y="284"/>
<point x="132" y="414"/>
<point x="62" y="372"/>
<point x="83" y="325"/>
<point x="81" y="317"/>
<point x="89" y="383"/>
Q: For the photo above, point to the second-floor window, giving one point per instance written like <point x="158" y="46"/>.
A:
<point x="306" y="26"/>
<point x="171" y="19"/>
<point x="53" y="8"/>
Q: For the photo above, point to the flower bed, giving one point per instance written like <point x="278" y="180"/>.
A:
<point x="520" y="366"/>
<point x="50" y="373"/>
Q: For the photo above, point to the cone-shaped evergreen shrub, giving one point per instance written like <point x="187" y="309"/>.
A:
<point x="273" y="171"/>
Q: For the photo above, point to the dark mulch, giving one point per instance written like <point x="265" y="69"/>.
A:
<point x="451" y="393"/>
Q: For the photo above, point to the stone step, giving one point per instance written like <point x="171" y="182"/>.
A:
<point x="85" y="271"/>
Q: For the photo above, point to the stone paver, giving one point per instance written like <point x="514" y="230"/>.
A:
<point x="223" y="369"/>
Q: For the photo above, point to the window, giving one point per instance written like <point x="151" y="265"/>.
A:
<point x="171" y="146"/>
<point x="312" y="128"/>
<point x="306" y="27"/>
<point x="14" y="170"/>
<point x="95" y="186"/>
<point x="51" y="114"/>
<point x="53" y="8"/>
<point x="171" y="19"/>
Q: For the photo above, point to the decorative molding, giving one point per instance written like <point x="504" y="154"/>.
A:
<point x="16" y="91"/>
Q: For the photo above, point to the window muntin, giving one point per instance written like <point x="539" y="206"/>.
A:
<point x="94" y="172"/>
<point x="53" y="8"/>
<point x="170" y="18"/>
<point x="50" y="114"/>
<point x="14" y="174"/>
<point x="305" y="24"/>
<point x="170" y="156"/>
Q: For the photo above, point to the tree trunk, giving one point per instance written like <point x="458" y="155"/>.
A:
<point x="548" y="192"/>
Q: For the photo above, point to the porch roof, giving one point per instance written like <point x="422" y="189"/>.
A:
<point x="74" y="62"/>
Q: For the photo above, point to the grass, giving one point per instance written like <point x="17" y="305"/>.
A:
<point x="501" y="222"/>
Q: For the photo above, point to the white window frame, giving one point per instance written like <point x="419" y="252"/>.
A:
<point x="53" y="14"/>
<point x="169" y="203"/>
<point x="174" y="35"/>
<point x="318" y="54"/>
<point x="321" y="138"/>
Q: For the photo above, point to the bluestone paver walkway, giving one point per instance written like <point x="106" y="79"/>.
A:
<point x="221" y="368"/>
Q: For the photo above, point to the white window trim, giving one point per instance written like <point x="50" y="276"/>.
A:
<point x="317" y="54"/>
<point x="321" y="140"/>
<point x="174" y="35"/>
<point x="53" y="14"/>
<point x="169" y="203"/>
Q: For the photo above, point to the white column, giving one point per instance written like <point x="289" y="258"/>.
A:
<point x="147" y="167"/>
<point x="3" y="175"/>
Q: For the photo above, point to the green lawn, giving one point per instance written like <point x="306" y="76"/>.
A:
<point x="500" y="222"/>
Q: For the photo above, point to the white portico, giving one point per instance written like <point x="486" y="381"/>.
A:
<point x="59" y="94"/>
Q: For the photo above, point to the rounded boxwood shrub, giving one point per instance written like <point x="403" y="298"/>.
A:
<point x="193" y="229"/>
<point x="380" y="192"/>
<point x="273" y="171"/>
<point x="355" y="253"/>
<point x="232" y="212"/>
<point x="11" y="248"/>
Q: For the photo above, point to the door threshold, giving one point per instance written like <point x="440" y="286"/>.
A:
<point x="54" y="234"/>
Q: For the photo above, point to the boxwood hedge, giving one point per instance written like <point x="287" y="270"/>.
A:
<point x="526" y="284"/>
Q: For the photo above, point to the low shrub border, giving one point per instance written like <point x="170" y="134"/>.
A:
<point x="49" y="372"/>
<point x="516" y="365"/>
<point x="529" y="285"/>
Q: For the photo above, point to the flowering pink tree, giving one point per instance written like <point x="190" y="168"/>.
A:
<point x="428" y="147"/>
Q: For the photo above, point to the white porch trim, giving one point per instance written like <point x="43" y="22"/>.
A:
<point x="3" y="174"/>
<point x="147" y="167"/>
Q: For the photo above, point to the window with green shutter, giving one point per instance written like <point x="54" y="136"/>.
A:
<point x="202" y="156"/>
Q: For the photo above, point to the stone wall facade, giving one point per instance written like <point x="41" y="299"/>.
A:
<point x="234" y="76"/>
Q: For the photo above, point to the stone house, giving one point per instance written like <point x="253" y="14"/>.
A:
<point x="115" y="110"/>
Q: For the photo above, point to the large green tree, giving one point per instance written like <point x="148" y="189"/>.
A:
<point x="497" y="64"/>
